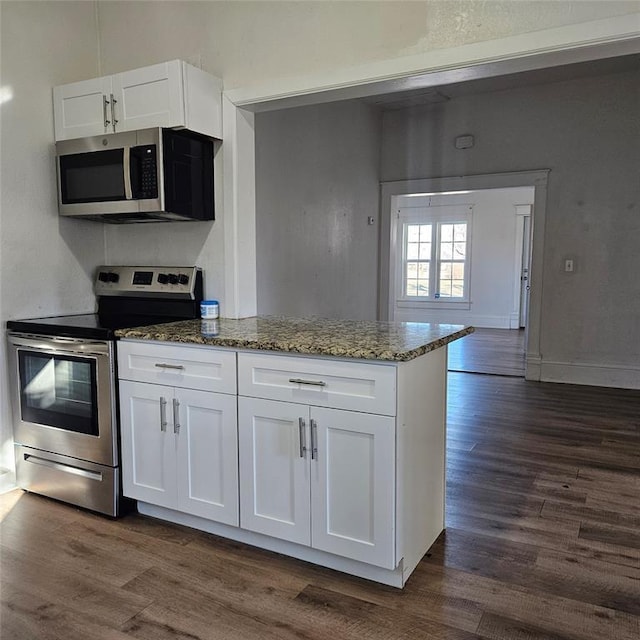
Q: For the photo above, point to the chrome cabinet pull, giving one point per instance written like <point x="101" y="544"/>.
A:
<point x="315" y="383"/>
<point x="302" y="434"/>
<point x="164" y="365"/>
<point x="314" y="439"/>
<point x="114" y="122"/>
<point x="163" y="414"/>
<point x="105" y="102"/>
<point x="176" y="415"/>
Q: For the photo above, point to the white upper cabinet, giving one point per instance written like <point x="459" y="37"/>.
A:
<point x="170" y="94"/>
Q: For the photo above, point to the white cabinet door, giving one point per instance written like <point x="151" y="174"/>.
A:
<point x="149" y="97"/>
<point x="274" y="469"/>
<point x="82" y="108"/>
<point x="207" y="455"/>
<point x="148" y="443"/>
<point x="353" y="485"/>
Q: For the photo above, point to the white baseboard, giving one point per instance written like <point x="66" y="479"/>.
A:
<point x="454" y="317"/>
<point x="597" y="375"/>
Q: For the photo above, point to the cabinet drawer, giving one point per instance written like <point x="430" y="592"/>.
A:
<point x="324" y="383"/>
<point x="205" y="369"/>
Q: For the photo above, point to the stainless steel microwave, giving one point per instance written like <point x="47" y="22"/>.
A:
<point x="148" y="175"/>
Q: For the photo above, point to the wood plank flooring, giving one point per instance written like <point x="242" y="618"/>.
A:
<point x="494" y="351"/>
<point x="542" y="543"/>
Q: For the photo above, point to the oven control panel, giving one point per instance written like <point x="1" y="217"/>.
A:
<point x="159" y="282"/>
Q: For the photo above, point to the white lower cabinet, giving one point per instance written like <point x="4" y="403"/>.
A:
<point x="333" y="461"/>
<point x="319" y="477"/>
<point x="180" y="449"/>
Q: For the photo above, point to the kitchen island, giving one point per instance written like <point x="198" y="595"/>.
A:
<point x="319" y="439"/>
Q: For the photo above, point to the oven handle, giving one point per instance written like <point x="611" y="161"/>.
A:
<point x="61" y="345"/>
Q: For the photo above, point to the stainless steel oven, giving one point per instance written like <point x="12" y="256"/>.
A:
<point x="64" y="383"/>
<point x="64" y="398"/>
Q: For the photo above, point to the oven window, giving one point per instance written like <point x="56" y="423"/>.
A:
<point x="59" y="391"/>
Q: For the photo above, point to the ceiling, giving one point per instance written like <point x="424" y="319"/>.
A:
<point x="443" y="93"/>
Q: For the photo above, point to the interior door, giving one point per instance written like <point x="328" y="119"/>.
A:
<point x="274" y="469"/>
<point x="525" y="286"/>
<point x="353" y="485"/>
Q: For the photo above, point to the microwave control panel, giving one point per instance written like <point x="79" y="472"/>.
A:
<point x="144" y="172"/>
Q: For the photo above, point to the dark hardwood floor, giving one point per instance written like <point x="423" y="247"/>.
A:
<point x="494" y="351"/>
<point x="542" y="543"/>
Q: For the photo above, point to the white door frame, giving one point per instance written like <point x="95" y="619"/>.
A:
<point x="391" y="191"/>
<point x="514" y="54"/>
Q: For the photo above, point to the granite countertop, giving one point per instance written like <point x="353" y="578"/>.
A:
<point x="391" y="341"/>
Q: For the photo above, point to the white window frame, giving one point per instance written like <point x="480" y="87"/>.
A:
<point x="435" y="216"/>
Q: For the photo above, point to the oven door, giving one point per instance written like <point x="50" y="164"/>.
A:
<point x="63" y="396"/>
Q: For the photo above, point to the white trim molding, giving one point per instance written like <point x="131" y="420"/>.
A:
<point x="239" y="217"/>
<point x="542" y="49"/>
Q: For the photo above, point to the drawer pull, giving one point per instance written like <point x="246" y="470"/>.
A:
<point x="164" y="365"/>
<point x="314" y="383"/>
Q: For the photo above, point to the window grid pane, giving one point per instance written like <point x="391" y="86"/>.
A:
<point x="452" y="256"/>
<point x="418" y="257"/>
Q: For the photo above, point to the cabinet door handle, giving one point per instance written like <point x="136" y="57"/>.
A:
<point x="302" y="434"/>
<point x="114" y="122"/>
<point x="164" y="365"/>
<point x="105" y="102"/>
<point x="314" y="440"/>
<point x="315" y="383"/>
<point x="176" y="416"/>
<point x="163" y="414"/>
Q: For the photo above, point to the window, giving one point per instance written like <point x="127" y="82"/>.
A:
<point x="435" y="259"/>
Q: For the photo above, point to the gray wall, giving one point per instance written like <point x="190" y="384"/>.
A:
<point x="586" y="131"/>
<point x="317" y="181"/>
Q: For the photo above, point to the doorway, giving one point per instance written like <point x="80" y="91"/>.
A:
<point x="497" y="267"/>
<point x="463" y="258"/>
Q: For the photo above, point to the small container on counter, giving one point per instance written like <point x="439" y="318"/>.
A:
<point x="209" y="309"/>
<point x="209" y="328"/>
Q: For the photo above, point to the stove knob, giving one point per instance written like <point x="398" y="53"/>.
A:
<point x="183" y="278"/>
<point x="113" y="277"/>
<point x="173" y="278"/>
<point x="103" y="276"/>
<point x="163" y="278"/>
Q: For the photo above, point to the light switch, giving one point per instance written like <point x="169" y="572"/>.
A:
<point x="568" y="265"/>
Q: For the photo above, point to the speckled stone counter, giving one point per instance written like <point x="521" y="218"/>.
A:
<point x="391" y="341"/>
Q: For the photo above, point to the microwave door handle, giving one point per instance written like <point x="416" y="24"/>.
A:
<point x="128" y="194"/>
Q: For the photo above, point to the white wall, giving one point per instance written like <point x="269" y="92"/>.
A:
<point x="317" y="182"/>
<point x="46" y="263"/>
<point x="586" y="131"/>
<point x="493" y="268"/>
